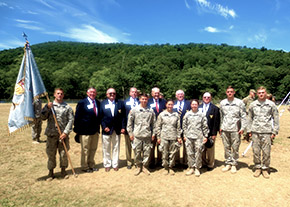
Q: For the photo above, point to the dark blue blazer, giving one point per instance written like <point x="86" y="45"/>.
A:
<point x="86" y="122"/>
<point x="186" y="108"/>
<point x="213" y="119"/>
<point x="117" y="122"/>
<point x="162" y="105"/>
<point x="128" y="108"/>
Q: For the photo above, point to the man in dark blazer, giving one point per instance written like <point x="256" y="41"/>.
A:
<point x="130" y="103"/>
<point x="87" y="127"/>
<point x="158" y="105"/>
<point x="113" y="124"/>
<point x="212" y="113"/>
<point x="181" y="106"/>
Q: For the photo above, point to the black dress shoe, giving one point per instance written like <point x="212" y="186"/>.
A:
<point x="209" y="168"/>
<point x="129" y="167"/>
<point x="88" y="170"/>
<point x="94" y="169"/>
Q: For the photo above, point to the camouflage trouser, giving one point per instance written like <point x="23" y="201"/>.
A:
<point x="261" y="142"/>
<point x="169" y="149"/>
<point x="142" y="147"/>
<point x="36" y="129"/>
<point x="194" y="149"/>
<point x="52" y="144"/>
<point x="231" y="141"/>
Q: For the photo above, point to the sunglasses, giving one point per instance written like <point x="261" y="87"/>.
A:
<point x="112" y="93"/>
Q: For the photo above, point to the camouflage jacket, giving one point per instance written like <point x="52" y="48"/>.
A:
<point x="263" y="117"/>
<point x="37" y="105"/>
<point x="168" y="125"/>
<point x="64" y="117"/>
<point x="195" y="125"/>
<point x="233" y="115"/>
<point x="141" y="122"/>
<point x="247" y="101"/>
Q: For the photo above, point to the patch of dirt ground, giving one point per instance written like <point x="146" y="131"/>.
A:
<point x="23" y="177"/>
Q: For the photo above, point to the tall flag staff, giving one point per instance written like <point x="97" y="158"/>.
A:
<point x="29" y="87"/>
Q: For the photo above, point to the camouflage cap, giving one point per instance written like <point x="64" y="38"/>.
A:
<point x="253" y="90"/>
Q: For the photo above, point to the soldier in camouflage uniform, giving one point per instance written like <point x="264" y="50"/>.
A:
<point x="140" y="126"/>
<point x="169" y="136"/>
<point x="195" y="135"/>
<point x="233" y="123"/>
<point x="263" y="126"/>
<point x="247" y="101"/>
<point x="36" y="126"/>
<point x="65" y="118"/>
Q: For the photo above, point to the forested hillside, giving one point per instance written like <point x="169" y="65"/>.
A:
<point x="195" y="68"/>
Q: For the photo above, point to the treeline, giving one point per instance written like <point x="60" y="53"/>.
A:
<point x="195" y="68"/>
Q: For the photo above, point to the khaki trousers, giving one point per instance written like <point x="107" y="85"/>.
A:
<point x="89" y="145"/>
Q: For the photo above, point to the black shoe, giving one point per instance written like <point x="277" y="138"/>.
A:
<point x="209" y="168"/>
<point x="90" y="170"/>
<point x="94" y="169"/>
<point x="129" y="167"/>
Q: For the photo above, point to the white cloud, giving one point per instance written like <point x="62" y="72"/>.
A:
<point x="46" y="4"/>
<point x="186" y="4"/>
<point x="25" y="21"/>
<point x="11" y="44"/>
<point x="86" y="33"/>
<point x="211" y="29"/>
<point x="27" y="26"/>
<point x="258" y="38"/>
<point x="216" y="8"/>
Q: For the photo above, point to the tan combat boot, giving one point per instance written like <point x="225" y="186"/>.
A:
<point x="265" y="174"/>
<point x="146" y="171"/>
<point x="64" y="173"/>
<point x="226" y="168"/>
<point x="189" y="172"/>
<point x="233" y="170"/>
<point x="50" y="175"/>
<point x="166" y="171"/>
<point x="138" y="170"/>
<point x="197" y="172"/>
<point x="171" y="171"/>
<point x="257" y="173"/>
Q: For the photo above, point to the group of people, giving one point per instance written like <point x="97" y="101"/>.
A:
<point x="153" y="123"/>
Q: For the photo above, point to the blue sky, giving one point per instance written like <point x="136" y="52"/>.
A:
<point x="251" y="23"/>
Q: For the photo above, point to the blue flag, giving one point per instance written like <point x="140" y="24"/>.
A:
<point x="29" y="86"/>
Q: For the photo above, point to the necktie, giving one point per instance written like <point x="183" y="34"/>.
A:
<point x="134" y="104"/>
<point x="180" y="109"/>
<point x="95" y="109"/>
<point x="157" y="109"/>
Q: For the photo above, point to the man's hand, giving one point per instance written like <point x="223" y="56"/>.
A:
<point x="241" y="131"/>
<point x="184" y="138"/>
<point x="107" y="129"/>
<point x="153" y="137"/>
<point x="131" y="138"/>
<point x="179" y="140"/>
<point x="158" y="141"/>
<point x="213" y="137"/>
<point x="49" y="105"/>
<point x="123" y="131"/>
<point x="204" y="140"/>
<point x="63" y="136"/>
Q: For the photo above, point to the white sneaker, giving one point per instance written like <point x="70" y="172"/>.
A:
<point x="226" y="168"/>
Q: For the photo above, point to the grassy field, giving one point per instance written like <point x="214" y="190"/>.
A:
<point x="23" y="176"/>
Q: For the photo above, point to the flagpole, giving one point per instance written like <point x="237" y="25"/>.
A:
<point x="59" y="131"/>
